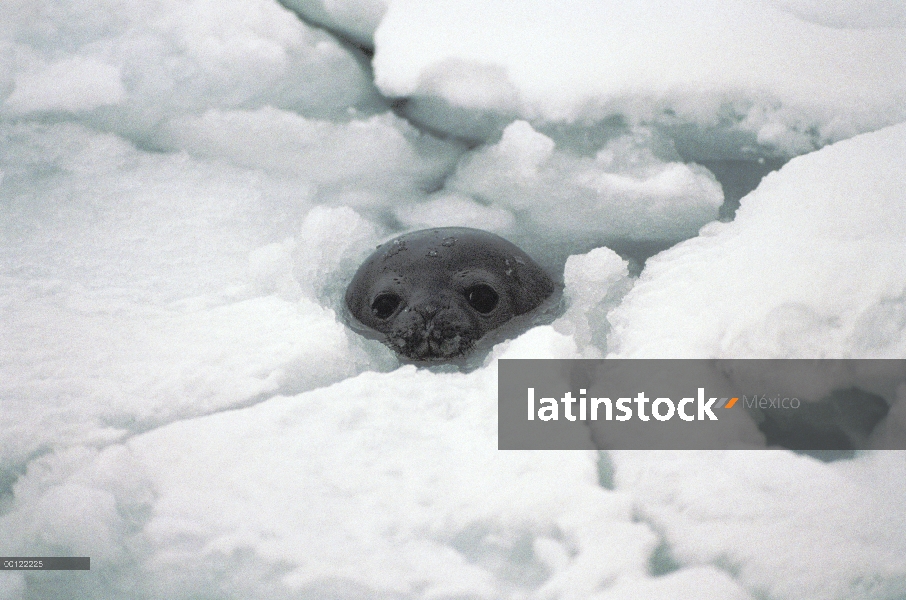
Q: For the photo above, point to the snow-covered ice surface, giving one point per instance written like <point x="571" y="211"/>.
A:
<point x="813" y="266"/>
<point x="789" y="76"/>
<point x="352" y="20"/>
<point x="187" y="186"/>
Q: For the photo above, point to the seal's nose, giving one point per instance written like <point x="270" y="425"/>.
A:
<point x="428" y="310"/>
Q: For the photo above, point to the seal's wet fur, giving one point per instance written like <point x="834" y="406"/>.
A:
<point x="434" y="293"/>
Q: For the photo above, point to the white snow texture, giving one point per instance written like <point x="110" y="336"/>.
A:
<point x="187" y="186"/>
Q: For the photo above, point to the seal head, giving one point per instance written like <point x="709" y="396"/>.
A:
<point x="434" y="293"/>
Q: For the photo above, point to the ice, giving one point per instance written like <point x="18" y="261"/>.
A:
<point x="141" y="287"/>
<point x="595" y="283"/>
<point x="187" y="186"/>
<point x="844" y="14"/>
<point x="400" y="496"/>
<point x="696" y="582"/>
<point x="70" y="85"/>
<point x="764" y="76"/>
<point x="85" y="205"/>
<point x="92" y="374"/>
<point x="812" y="267"/>
<point x="452" y="209"/>
<point x="131" y="66"/>
<point x="624" y="192"/>
<point x="355" y="20"/>
<point x="777" y="520"/>
<point x="322" y="261"/>
<point x="538" y="342"/>
<point x="382" y="154"/>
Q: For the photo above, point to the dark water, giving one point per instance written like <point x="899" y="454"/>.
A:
<point x="738" y="178"/>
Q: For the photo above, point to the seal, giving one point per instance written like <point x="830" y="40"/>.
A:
<point x="433" y="293"/>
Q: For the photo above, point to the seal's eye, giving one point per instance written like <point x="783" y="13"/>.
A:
<point x="385" y="305"/>
<point x="482" y="298"/>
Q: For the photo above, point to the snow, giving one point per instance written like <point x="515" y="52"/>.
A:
<point x="244" y="490"/>
<point x="130" y="66"/>
<point x="624" y="192"/>
<point x="772" y="70"/>
<point x="186" y="187"/>
<point x="813" y="266"/>
<point x="778" y="523"/>
<point x="71" y="85"/>
<point x="355" y="20"/>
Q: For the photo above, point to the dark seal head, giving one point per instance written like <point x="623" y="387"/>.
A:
<point x="434" y="293"/>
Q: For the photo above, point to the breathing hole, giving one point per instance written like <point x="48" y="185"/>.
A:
<point x="482" y="298"/>
<point x="385" y="305"/>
